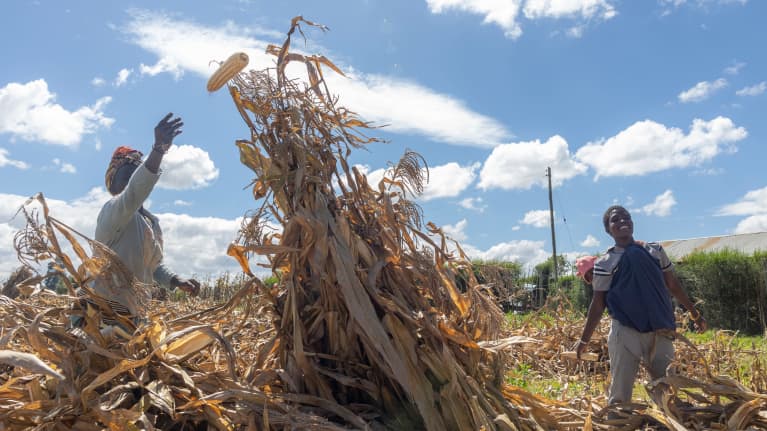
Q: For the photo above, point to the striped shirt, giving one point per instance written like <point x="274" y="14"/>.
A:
<point x="606" y="265"/>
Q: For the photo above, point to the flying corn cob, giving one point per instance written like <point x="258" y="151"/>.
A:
<point x="227" y="70"/>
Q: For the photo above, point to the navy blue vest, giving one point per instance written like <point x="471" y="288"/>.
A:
<point x="638" y="297"/>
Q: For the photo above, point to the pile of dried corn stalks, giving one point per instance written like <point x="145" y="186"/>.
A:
<point x="368" y="314"/>
<point x="366" y="330"/>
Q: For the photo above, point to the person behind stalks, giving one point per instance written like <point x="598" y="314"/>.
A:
<point x="633" y="281"/>
<point x="129" y="229"/>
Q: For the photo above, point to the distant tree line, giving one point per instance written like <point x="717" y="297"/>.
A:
<point x="729" y="286"/>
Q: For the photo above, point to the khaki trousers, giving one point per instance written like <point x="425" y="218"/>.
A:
<point x="627" y="347"/>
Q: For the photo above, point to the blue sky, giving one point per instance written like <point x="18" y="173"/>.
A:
<point x="655" y="105"/>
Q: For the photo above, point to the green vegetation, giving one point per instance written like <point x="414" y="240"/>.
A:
<point x="542" y="318"/>
<point x="731" y="288"/>
<point x="731" y="339"/>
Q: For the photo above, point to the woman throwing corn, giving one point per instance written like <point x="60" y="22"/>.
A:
<point x="126" y="227"/>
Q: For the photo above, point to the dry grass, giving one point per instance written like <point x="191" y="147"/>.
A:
<point x="711" y="385"/>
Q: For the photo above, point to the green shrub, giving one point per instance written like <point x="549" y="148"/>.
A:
<point x="577" y="292"/>
<point x="731" y="286"/>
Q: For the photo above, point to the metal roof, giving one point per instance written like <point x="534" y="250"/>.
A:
<point x="747" y="243"/>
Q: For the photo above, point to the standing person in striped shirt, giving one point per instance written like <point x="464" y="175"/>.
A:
<point x="633" y="281"/>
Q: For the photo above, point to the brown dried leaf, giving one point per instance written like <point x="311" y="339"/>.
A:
<point x="29" y="362"/>
<point x="238" y="253"/>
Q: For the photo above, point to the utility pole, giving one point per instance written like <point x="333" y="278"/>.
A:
<point x="553" y="233"/>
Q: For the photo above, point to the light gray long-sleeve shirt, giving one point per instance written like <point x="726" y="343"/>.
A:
<point x="134" y="233"/>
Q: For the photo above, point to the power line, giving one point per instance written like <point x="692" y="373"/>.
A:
<point x="564" y="221"/>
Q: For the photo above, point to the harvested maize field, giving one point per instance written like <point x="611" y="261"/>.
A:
<point x="366" y="329"/>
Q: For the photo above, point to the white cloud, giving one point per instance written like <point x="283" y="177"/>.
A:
<point x="756" y="223"/>
<point x="708" y="171"/>
<point x="735" y="68"/>
<point x="181" y="203"/>
<point x="197" y="245"/>
<point x="456" y="231"/>
<point x="373" y="177"/>
<point x="587" y="9"/>
<point x="526" y="252"/>
<point x="65" y="167"/>
<point x="647" y="146"/>
<point x="661" y="206"/>
<point x="406" y="106"/>
<point x="522" y="165"/>
<point x="575" y="32"/>
<point x="753" y="205"/>
<point x="702" y="4"/>
<point x="753" y="90"/>
<point x="28" y="111"/>
<point x="502" y="13"/>
<point x="187" y="167"/>
<point x="474" y="204"/>
<point x="80" y="214"/>
<point x="98" y="82"/>
<point x="754" y="202"/>
<point x="193" y="245"/>
<point x="590" y="241"/>
<point x="672" y="3"/>
<point x="448" y="180"/>
<point x="445" y="181"/>
<point x="8" y="258"/>
<point x="516" y="228"/>
<point x="5" y="161"/>
<point x="505" y="13"/>
<point x="163" y="65"/>
<point x="537" y="218"/>
<point x="122" y="77"/>
<point x="701" y="91"/>
<point x="181" y="45"/>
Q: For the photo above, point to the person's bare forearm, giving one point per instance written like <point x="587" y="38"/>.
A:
<point x="594" y="315"/>
<point x="153" y="161"/>
<point x="675" y="288"/>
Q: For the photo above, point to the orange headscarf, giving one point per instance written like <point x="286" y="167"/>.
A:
<point x="121" y="157"/>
